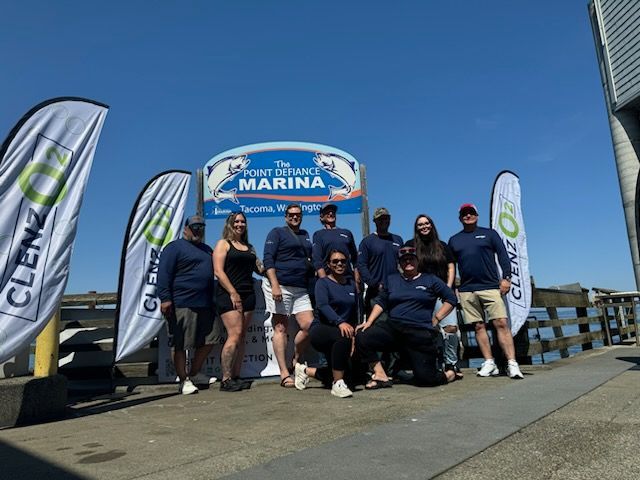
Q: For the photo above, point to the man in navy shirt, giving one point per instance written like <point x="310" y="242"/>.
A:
<point x="377" y="256"/>
<point x="332" y="237"/>
<point x="482" y="288"/>
<point x="287" y="261"/>
<point x="185" y="290"/>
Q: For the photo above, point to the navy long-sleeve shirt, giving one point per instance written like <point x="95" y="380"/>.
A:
<point x="327" y="240"/>
<point x="475" y="253"/>
<point x="185" y="275"/>
<point x="411" y="302"/>
<point x="378" y="257"/>
<point x="336" y="302"/>
<point x="288" y="255"/>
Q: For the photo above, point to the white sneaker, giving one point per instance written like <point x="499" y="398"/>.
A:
<point x="187" y="387"/>
<point x="202" y="379"/>
<point x="488" y="369"/>
<point x="513" y="370"/>
<point x="301" y="377"/>
<point x="340" y="389"/>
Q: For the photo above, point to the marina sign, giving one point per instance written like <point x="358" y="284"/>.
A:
<point x="260" y="180"/>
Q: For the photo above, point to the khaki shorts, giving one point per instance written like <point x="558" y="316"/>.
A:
<point x="191" y="328"/>
<point x="475" y="304"/>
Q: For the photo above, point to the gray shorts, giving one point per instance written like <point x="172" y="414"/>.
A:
<point x="191" y="328"/>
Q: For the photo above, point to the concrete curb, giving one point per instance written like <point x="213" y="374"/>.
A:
<point x="26" y="400"/>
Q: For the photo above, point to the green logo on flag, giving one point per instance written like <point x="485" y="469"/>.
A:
<point x="158" y="231"/>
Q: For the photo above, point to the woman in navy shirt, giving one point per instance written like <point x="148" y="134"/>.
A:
<point x="333" y="334"/>
<point x="409" y="298"/>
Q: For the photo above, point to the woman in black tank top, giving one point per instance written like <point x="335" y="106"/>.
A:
<point x="234" y="261"/>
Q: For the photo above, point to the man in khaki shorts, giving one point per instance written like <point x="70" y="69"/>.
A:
<point x="481" y="288"/>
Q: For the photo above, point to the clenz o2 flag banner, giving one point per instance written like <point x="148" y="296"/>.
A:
<point x="44" y="167"/>
<point x="506" y="219"/>
<point x="262" y="179"/>
<point x="156" y="220"/>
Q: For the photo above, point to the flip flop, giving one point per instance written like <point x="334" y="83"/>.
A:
<point x="378" y="384"/>
<point x="288" y="382"/>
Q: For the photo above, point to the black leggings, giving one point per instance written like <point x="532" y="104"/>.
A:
<point x="420" y="345"/>
<point x="336" y="348"/>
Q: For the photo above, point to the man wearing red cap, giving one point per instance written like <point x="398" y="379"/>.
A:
<point x="481" y="287"/>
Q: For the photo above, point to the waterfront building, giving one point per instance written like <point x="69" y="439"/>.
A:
<point x="616" y="31"/>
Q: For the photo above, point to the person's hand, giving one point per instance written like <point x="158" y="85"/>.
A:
<point x="236" y="301"/>
<point x="346" y="330"/>
<point x="435" y="321"/>
<point x="166" y="308"/>
<point x="276" y="293"/>
<point x="505" y="285"/>
<point x="363" y="326"/>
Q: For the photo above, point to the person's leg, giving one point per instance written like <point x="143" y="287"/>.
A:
<point x="322" y="338"/>
<point x="482" y="338"/>
<point x="379" y="338"/>
<point x="301" y="340"/>
<point x="503" y="332"/>
<point x="280" y="324"/>
<point x="420" y="345"/>
<point x="239" y="357"/>
<point x="233" y="323"/>
<point x="199" y="356"/>
<point x="201" y="340"/>
<point x="180" y="362"/>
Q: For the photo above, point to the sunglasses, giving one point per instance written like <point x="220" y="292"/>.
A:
<point x="468" y="212"/>
<point x="294" y="215"/>
<point x="196" y="227"/>
<point x="338" y="261"/>
<point x="407" y="251"/>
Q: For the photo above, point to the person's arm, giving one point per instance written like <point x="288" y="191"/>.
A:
<point x="362" y="263"/>
<point x="166" y="273"/>
<point x="316" y="256"/>
<point x="270" y="254"/>
<point x="219" y="256"/>
<point x="324" y="306"/>
<point x="376" y="311"/>
<point x="503" y="261"/>
<point x="449" y="300"/>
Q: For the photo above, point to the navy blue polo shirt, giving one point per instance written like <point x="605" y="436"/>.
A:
<point x="378" y="257"/>
<point x="326" y="240"/>
<point x="288" y="254"/>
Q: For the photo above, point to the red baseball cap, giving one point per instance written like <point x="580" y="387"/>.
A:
<point x="465" y="207"/>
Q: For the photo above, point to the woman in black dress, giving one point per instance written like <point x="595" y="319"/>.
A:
<point x="234" y="261"/>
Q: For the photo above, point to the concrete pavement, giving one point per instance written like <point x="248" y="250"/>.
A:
<point x="403" y="432"/>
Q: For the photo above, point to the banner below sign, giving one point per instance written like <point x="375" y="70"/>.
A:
<point x="44" y="167"/>
<point x="262" y="179"/>
<point x="506" y="219"/>
<point x="156" y="220"/>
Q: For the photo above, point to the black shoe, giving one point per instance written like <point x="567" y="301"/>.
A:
<point x="230" y="385"/>
<point x="244" y="384"/>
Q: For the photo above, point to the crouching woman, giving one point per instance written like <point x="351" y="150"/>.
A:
<point x="409" y="298"/>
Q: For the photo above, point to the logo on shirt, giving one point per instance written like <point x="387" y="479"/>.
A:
<point x="421" y="287"/>
<point x="396" y="244"/>
<point x="481" y="236"/>
<point x="352" y="294"/>
<point x="344" y="235"/>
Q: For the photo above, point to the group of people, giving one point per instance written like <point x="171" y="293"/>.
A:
<point x="354" y="305"/>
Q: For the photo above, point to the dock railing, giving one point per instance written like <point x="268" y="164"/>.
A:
<point x="87" y="329"/>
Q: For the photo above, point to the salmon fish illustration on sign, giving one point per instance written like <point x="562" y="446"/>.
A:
<point x="340" y="168"/>
<point x="224" y="171"/>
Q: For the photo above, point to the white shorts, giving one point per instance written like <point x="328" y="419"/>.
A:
<point x="451" y="319"/>
<point x="294" y="300"/>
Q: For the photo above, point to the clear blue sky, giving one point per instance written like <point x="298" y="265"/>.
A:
<point x="435" y="98"/>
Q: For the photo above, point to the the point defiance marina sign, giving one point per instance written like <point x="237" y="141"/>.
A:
<point x="260" y="180"/>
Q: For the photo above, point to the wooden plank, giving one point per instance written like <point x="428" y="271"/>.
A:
<point x="104" y="358"/>
<point x="536" y="348"/>
<point x="565" y="321"/>
<point x="557" y="330"/>
<point x="548" y="297"/>
<point x="583" y="327"/>
<point x="85" y="299"/>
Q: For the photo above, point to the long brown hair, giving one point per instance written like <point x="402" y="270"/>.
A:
<point x="227" y="230"/>
<point x="429" y="249"/>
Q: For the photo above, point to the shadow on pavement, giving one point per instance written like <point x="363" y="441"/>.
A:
<point x="635" y="360"/>
<point x="111" y="402"/>
<point x="18" y="465"/>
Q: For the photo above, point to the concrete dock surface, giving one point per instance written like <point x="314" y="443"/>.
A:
<point x="578" y="418"/>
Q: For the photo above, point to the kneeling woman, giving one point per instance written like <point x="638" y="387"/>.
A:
<point x="409" y="298"/>
<point x="333" y="335"/>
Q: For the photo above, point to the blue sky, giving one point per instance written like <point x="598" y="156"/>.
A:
<point x="435" y="98"/>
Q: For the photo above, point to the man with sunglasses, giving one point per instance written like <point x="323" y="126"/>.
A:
<point x="185" y="290"/>
<point x="288" y="266"/>
<point x="332" y="237"/>
<point x="482" y="288"/>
